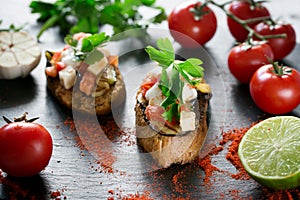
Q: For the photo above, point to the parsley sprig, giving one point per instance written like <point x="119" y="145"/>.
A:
<point x="73" y="16"/>
<point x="172" y="86"/>
<point x="88" y="50"/>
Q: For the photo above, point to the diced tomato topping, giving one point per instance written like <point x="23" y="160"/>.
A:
<point x="88" y="83"/>
<point x="113" y="60"/>
<point x="51" y="71"/>
<point x="60" y="65"/>
<point x="56" y="57"/>
<point x="148" y="83"/>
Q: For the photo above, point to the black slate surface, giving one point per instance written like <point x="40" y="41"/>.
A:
<point x="74" y="171"/>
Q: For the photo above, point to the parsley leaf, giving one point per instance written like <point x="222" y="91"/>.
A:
<point x="165" y="56"/>
<point x="89" y="43"/>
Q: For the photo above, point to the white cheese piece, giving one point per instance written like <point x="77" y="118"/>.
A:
<point x="187" y="121"/>
<point x="98" y="67"/>
<point x="69" y="60"/>
<point x="67" y="77"/>
<point x="154" y="95"/>
<point x="188" y="93"/>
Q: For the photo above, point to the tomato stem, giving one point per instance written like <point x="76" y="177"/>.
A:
<point x="244" y="23"/>
<point x="20" y="119"/>
<point x="6" y="120"/>
<point x="280" y="70"/>
<point x="198" y="11"/>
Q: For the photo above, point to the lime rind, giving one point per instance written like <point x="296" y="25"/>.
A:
<point x="270" y="152"/>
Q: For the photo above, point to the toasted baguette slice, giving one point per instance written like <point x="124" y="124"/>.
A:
<point x="178" y="149"/>
<point x="99" y="105"/>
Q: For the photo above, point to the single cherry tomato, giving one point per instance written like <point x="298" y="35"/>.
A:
<point x="25" y="147"/>
<point x="244" y="60"/>
<point x="190" y="29"/>
<point x="275" y="91"/>
<point x="244" y="11"/>
<point x="281" y="46"/>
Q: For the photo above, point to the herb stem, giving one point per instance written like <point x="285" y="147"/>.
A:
<point x="49" y="23"/>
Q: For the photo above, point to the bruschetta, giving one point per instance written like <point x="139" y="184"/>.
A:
<point x="84" y="76"/>
<point x="171" y="108"/>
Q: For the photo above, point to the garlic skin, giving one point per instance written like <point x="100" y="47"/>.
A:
<point x="19" y="54"/>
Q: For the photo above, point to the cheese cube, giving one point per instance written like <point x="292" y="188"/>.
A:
<point x="187" y="121"/>
<point x="67" y="77"/>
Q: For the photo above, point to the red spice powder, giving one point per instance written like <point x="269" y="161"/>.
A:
<point x="234" y="138"/>
<point x="90" y="134"/>
<point x="137" y="196"/>
<point x="230" y="140"/>
<point x="98" y="136"/>
<point x="58" y="194"/>
<point x="55" y="194"/>
<point x="178" y="185"/>
<point x="111" y="191"/>
<point x="207" y="166"/>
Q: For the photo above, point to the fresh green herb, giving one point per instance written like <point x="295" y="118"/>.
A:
<point x="88" y="50"/>
<point x="171" y="87"/>
<point x="12" y="27"/>
<point x="73" y="16"/>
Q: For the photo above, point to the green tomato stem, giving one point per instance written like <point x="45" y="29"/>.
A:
<point x="244" y="23"/>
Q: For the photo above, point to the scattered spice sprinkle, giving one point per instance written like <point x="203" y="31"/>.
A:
<point x="230" y="140"/>
<point x="138" y="196"/>
<point x="234" y="137"/>
<point x="57" y="195"/>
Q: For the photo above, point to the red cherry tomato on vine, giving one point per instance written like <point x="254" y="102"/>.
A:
<point x="244" y="10"/>
<point x="281" y="46"/>
<point x="275" y="94"/>
<point x="26" y="148"/>
<point x="244" y="60"/>
<point x="187" y="29"/>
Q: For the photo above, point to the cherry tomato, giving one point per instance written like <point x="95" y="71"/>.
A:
<point x="244" y="60"/>
<point x="26" y="148"/>
<point x="281" y="46"/>
<point x="275" y="94"/>
<point x="187" y="29"/>
<point x="244" y="10"/>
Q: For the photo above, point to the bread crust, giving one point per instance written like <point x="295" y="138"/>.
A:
<point x="179" y="149"/>
<point x="100" y="105"/>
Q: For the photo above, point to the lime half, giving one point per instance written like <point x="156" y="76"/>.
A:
<point x="270" y="152"/>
